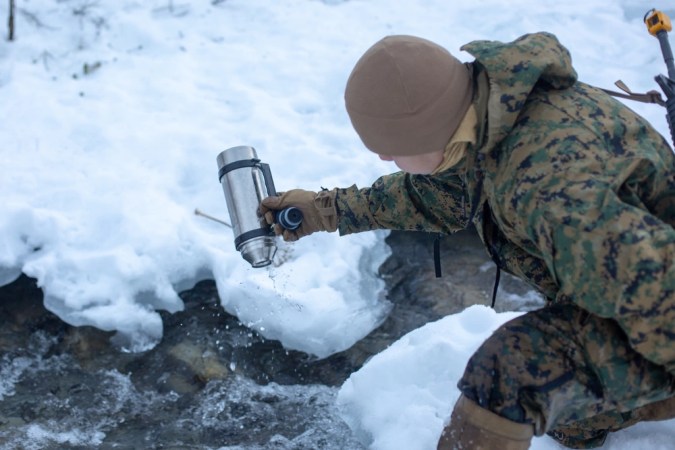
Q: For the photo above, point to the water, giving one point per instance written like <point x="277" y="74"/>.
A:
<point x="57" y="405"/>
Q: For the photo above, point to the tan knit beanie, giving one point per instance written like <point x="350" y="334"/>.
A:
<point x="407" y="96"/>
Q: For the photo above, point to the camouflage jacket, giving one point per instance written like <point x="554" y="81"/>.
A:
<point x="568" y="189"/>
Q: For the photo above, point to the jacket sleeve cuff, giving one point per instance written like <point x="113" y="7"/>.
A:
<point x="353" y="211"/>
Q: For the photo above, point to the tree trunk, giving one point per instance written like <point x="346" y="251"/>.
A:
<point x="10" y="21"/>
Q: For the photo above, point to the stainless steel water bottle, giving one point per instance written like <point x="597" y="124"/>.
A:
<point x="246" y="181"/>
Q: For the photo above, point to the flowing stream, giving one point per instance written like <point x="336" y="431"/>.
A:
<point x="213" y="383"/>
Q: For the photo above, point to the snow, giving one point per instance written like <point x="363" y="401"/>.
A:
<point x="113" y="113"/>
<point x="411" y="385"/>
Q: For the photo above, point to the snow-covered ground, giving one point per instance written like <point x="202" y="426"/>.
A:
<point x="112" y="114"/>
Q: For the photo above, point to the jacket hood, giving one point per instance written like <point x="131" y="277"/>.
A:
<point x="513" y="70"/>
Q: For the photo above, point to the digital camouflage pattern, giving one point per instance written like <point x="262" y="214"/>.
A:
<point x="574" y="193"/>
<point x="570" y="373"/>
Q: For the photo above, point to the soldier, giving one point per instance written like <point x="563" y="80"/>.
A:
<point x="569" y="190"/>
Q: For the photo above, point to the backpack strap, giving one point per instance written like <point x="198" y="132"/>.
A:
<point x="647" y="97"/>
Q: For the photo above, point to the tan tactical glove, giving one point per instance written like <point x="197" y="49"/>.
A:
<point x="318" y="211"/>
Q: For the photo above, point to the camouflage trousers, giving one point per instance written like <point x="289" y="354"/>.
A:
<point x="571" y="374"/>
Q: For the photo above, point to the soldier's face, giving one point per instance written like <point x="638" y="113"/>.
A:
<point x="417" y="164"/>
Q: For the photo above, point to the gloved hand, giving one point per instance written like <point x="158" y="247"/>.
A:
<point x="318" y="212"/>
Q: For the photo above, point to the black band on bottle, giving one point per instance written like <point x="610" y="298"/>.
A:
<point x="243" y="237"/>
<point x="237" y="165"/>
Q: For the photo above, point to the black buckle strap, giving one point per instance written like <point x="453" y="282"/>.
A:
<point x="437" y="255"/>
